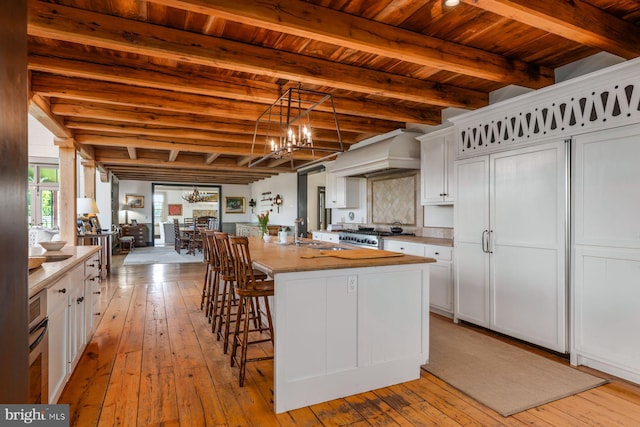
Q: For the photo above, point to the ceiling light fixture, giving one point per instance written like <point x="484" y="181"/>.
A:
<point x="194" y="196"/>
<point x="286" y="128"/>
<point x="451" y="2"/>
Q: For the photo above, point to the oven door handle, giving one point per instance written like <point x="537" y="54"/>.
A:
<point x="44" y="325"/>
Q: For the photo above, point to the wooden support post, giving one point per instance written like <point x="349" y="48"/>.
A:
<point x="68" y="214"/>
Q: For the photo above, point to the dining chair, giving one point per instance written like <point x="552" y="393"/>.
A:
<point x="180" y="241"/>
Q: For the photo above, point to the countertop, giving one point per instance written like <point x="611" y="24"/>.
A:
<point x="415" y="239"/>
<point x="422" y="240"/>
<point x="48" y="273"/>
<point x="277" y="258"/>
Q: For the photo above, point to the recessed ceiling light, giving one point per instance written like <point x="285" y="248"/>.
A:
<point x="451" y="2"/>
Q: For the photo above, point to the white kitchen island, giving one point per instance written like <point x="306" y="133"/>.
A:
<point x="344" y="326"/>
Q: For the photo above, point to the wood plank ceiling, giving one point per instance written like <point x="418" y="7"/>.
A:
<point x="170" y="90"/>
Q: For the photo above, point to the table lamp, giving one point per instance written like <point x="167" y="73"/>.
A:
<point x="86" y="207"/>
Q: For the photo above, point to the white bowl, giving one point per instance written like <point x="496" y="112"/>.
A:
<point x="55" y="245"/>
<point x="267" y="238"/>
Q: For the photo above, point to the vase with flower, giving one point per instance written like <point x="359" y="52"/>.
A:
<point x="263" y="220"/>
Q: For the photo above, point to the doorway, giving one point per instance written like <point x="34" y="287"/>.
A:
<point x="324" y="214"/>
<point x="169" y="204"/>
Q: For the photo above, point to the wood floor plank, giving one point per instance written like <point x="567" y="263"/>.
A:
<point x="336" y="413"/>
<point x="158" y="403"/>
<point x="154" y="361"/>
<point x="121" y="401"/>
<point x="198" y="401"/>
<point x="133" y="331"/>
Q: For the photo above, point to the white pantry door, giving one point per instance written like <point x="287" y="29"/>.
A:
<point x="528" y="216"/>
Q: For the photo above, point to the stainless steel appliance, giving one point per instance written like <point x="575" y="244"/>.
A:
<point x="38" y="349"/>
<point x="366" y="237"/>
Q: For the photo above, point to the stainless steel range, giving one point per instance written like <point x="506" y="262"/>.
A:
<point x="366" y="237"/>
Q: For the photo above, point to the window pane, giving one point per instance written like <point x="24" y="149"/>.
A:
<point x="48" y="174"/>
<point x="49" y="208"/>
<point x="31" y="174"/>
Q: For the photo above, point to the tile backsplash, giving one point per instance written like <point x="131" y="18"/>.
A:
<point x="393" y="199"/>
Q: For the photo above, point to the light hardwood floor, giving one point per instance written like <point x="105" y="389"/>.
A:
<point x="154" y="362"/>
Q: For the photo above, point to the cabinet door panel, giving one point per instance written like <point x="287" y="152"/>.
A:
<point x="440" y="289"/>
<point x="606" y="307"/>
<point x="471" y="284"/>
<point x="471" y="229"/>
<point x="606" y="197"/>
<point x="432" y="154"/>
<point x="528" y="215"/>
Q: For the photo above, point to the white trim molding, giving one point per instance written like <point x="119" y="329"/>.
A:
<point x="600" y="100"/>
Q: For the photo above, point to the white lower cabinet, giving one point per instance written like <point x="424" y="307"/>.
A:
<point x="326" y="236"/>
<point x="440" y="272"/>
<point x="606" y="252"/>
<point x="77" y="337"/>
<point x="92" y="293"/>
<point x="58" y="313"/>
<point x="70" y="326"/>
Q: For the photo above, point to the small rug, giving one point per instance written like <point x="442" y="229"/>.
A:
<point x="501" y="376"/>
<point x="160" y="255"/>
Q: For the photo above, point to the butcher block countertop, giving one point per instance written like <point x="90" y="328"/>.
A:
<point x="422" y="240"/>
<point x="277" y="258"/>
<point x="48" y="273"/>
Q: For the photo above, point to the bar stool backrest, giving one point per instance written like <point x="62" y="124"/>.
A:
<point x="210" y="241"/>
<point x="225" y="254"/>
<point x="245" y="277"/>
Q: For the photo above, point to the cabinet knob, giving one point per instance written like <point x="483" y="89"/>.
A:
<point x="79" y="300"/>
<point x="437" y="253"/>
<point x="62" y="291"/>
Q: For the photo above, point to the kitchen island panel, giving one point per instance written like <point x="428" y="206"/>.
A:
<point x="341" y="332"/>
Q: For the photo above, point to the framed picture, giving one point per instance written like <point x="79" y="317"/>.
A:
<point x="134" y="201"/>
<point x="234" y="205"/>
<point x="175" y="209"/>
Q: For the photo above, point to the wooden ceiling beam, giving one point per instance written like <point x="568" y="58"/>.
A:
<point x="80" y="114"/>
<point x="331" y="26"/>
<point x="134" y="96"/>
<point x="40" y="109"/>
<point x="193" y="146"/>
<point x="574" y="20"/>
<point x="75" y="63"/>
<point x="100" y="30"/>
<point x="172" y="132"/>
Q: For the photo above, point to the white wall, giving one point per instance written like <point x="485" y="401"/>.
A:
<point x="284" y="184"/>
<point x="235" y="190"/>
<point x="41" y="141"/>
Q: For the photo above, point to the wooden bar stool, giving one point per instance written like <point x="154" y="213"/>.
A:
<point x="208" y="269"/>
<point x="250" y="290"/>
<point x="225" y="300"/>
<point x="214" y="277"/>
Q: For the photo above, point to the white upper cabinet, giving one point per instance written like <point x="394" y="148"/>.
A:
<point x="437" y="154"/>
<point x="342" y="192"/>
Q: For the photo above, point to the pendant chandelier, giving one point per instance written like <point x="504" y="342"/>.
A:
<point x="194" y="196"/>
<point x="284" y="130"/>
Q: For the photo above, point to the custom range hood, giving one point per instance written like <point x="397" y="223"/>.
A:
<point x="389" y="152"/>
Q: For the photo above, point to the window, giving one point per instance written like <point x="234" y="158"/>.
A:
<point x="43" y="195"/>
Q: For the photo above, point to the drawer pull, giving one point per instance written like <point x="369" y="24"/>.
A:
<point x="437" y="253"/>
<point x="91" y="265"/>
<point x="96" y="314"/>
<point x="97" y="292"/>
<point x="62" y="291"/>
<point x="79" y="300"/>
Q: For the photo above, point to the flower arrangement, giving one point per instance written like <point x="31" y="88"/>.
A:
<point x="263" y="219"/>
